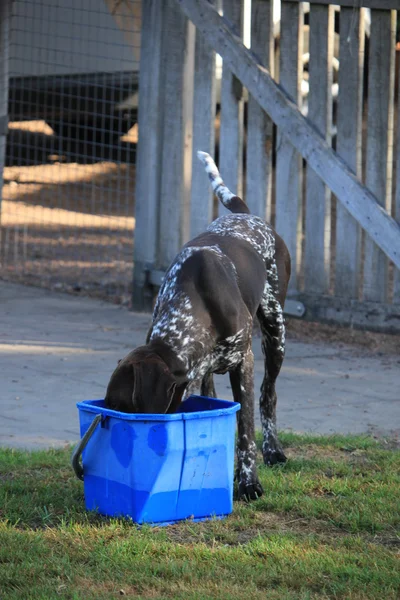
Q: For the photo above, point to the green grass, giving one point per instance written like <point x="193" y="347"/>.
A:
<point x="327" y="527"/>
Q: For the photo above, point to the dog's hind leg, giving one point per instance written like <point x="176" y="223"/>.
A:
<point x="242" y="382"/>
<point x="270" y="316"/>
<point x="207" y="386"/>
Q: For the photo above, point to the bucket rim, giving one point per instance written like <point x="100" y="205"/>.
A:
<point x="227" y="407"/>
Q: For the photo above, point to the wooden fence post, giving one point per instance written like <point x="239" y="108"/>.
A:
<point x="288" y="161"/>
<point x="259" y="125"/>
<point x="201" y="204"/>
<point x="379" y="141"/>
<point x="396" y="205"/>
<point x="148" y="161"/>
<point x="176" y="152"/>
<point x="5" y="18"/>
<point x="318" y="195"/>
<point x="231" y="129"/>
<point x="348" y="146"/>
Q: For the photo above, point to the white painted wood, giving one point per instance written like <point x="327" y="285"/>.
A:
<point x="259" y="147"/>
<point x="176" y="97"/>
<point x="348" y="146"/>
<point x="231" y="128"/>
<point x="318" y="195"/>
<point x="5" y="18"/>
<point x="204" y="98"/>
<point x="358" y="200"/>
<point x="379" y="142"/>
<point x="288" y="161"/>
<point x="379" y="4"/>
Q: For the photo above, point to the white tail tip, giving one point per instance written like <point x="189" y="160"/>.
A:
<point x="203" y="156"/>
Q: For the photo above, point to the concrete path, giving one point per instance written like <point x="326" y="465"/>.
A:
<point x="56" y="350"/>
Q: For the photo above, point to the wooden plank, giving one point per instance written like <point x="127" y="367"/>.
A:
<point x="288" y="161"/>
<point x="378" y="4"/>
<point x="396" y="283"/>
<point x="318" y="195"/>
<point x="358" y="200"/>
<point x="5" y="18"/>
<point x="231" y="128"/>
<point x="373" y="316"/>
<point x="348" y="146"/>
<point x="176" y="94"/>
<point x="187" y="116"/>
<point x="204" y="98"/>
<point x="259" y="126"/>
<point x="148" y="158"/>
<point x="396" y="207"/>
<point x="379" y="141"/>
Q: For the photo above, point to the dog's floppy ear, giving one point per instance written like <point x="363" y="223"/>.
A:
<point x="121" y="388"/>
<point x="143" y="385"/>
<point x="155" y="389"/>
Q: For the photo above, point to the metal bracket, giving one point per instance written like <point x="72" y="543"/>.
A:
<point x="294" y="308"/>
<point x="156" y="277"/>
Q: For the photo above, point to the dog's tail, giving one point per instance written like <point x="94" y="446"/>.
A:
<point x="228" y="199"/>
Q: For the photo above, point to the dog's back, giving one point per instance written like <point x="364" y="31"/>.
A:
<point x="218" y="277"/>
<point x="247" y="227"/>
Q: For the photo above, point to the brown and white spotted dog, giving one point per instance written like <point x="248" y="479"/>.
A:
<point x="202" y="324"/>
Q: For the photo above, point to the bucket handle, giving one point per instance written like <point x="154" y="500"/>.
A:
<point x="76" y="465"/>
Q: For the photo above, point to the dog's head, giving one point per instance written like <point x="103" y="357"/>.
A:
<point x="143" y="383"/>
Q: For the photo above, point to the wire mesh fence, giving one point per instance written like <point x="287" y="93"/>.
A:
<point x="68" y="197"/>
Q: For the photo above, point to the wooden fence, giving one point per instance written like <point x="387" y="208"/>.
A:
<point x="312" y="150"/>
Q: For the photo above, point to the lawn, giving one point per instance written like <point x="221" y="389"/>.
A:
<point x="327" y="527"/>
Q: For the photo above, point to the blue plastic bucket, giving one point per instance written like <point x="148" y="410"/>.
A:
<point x="160" y="468"/>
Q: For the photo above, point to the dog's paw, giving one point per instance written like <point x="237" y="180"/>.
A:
<point x="273" y="456"/>
<point x="250" y="491"/>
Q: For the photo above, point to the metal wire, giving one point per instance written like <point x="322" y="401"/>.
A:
<point x="68" y="197"/>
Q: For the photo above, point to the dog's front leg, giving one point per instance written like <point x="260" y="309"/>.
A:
<point x="243" y="392"/>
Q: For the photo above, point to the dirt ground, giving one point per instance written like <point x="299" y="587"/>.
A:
<point x="371" y="342"/>
<point x="65" y="225"/>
